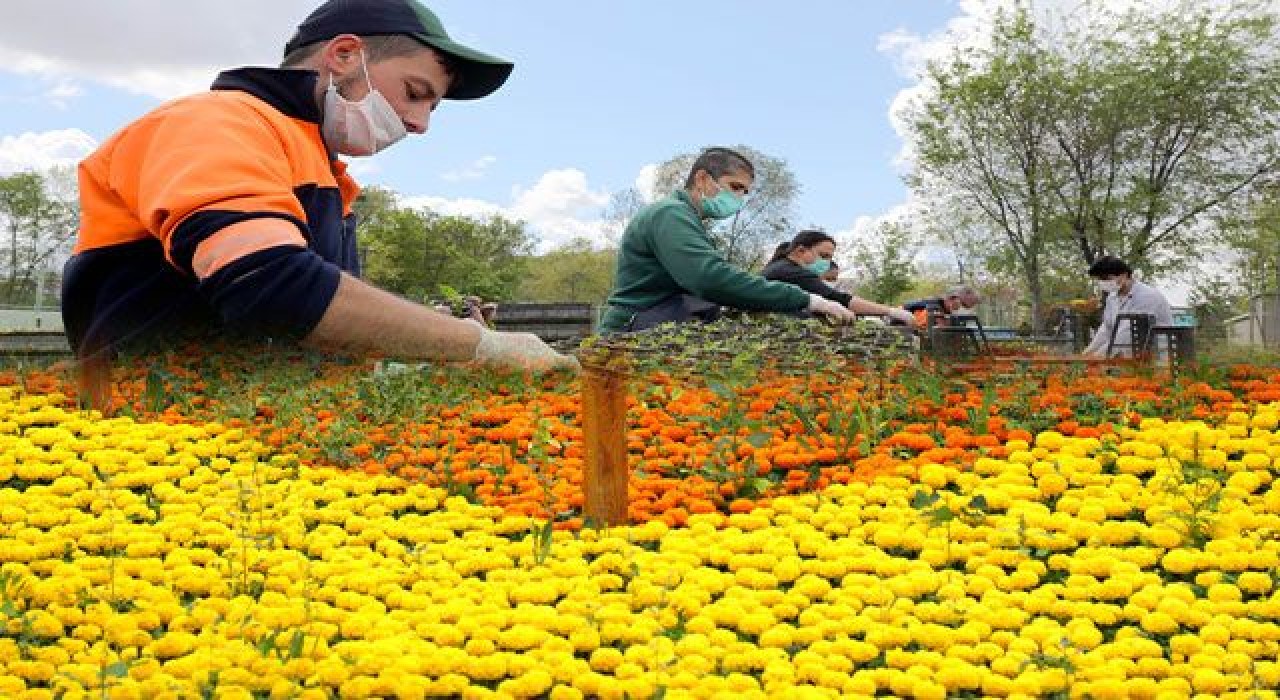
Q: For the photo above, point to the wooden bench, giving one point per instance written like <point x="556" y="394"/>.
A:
<point x="551" y="321"/>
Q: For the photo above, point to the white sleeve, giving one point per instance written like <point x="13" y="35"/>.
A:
<point x="1102" y="336"/>
<point x="1099" y="342"/>
<point x="1153" y="302"/>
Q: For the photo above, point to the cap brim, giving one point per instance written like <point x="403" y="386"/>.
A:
<point x="479" y="74"/>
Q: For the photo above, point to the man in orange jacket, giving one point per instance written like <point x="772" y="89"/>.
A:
<point x="231" y="206"/>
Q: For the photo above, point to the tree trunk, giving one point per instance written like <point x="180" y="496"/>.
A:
<point x="1035" y="293"/>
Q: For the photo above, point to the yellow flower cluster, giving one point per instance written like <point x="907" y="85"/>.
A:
<point x="155" y="561"/>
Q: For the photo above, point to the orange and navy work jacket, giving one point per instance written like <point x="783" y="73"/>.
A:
<point x="162" y="202"/>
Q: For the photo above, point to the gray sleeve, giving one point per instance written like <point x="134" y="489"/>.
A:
<point x="1103" y="334"/>
<point x="1149" y="300"/>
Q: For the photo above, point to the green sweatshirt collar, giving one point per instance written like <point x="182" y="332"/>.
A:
<point x="683" y="195"/>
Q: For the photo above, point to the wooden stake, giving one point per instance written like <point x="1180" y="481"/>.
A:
<point x="604" y="430"/>
<point x="95" y="383"/>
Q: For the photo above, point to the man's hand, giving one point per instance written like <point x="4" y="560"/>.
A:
<point x="520" y="351"/>
<point x="831" y="309"/>
<point x="902" y="316"/>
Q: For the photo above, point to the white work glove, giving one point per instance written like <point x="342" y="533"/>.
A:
<point x="830" y="308"/>
<point x="520" y="351"/>
<point x="902" y="316"/>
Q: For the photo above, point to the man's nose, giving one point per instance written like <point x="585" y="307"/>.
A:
<point x="417" y="123"/>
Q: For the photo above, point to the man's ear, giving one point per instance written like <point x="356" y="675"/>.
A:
<point x="341" y="55"/>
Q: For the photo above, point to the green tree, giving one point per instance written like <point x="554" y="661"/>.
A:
<point x="1177" y="119"/>
<point x="39" y="215"/>
<point x="1253" y="241"/>
<point x="574" y="271"/>
<point x="884" y="263"/>
<point x="1111" y="133"/>
<point x="983" y="142"/>
<point x="1215" y="297"/>
<point x="417" y="253"/>
<point x="767" y="218"/>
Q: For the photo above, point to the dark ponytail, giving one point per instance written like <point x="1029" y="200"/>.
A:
<point x="804" y="239"/>
<point x="781" y="251"/>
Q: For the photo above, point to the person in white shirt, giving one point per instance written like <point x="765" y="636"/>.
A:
<point x="1125" y="295"/>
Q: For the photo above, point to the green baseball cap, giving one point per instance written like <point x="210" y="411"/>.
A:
<point x="477" y="74"/>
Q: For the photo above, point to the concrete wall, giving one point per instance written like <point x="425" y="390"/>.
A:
<point x="1243" y="330"/>
<point x="27" y="320"/>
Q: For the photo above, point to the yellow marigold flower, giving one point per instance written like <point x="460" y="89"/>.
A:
<point x="1207" y="680"/>
<point x="1215" y="633"/>
<point x="34" y="671"/>
<point x="1050" y="440"/>
<point x="934" y="475"/>
<point x="521" y="638"/>
<point x="1224" y="593"/>
<point x="1092" y="512"/>
<point x="1164" y="536"/>
<point x="1254" y="582"/>
<point x="606" y="659"/>
<point x="565" y="692"/>
<point x="1159" y="623"/>
<point x="777" y="637"/>
<point x="1180" y="561"/>
<point x="1052" y="484"/>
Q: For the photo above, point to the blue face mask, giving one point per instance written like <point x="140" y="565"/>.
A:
<point x="818" y="266"/>
<point x="723" y="205"/>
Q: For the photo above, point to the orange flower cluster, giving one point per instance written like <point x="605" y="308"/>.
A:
<point x="691" y="448"/>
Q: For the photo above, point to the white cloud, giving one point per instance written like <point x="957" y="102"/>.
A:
<point x="558" y="194"/>
<point x="559" y="207"/>
<point x="474" y="171"/>
<point x="44" y="150"/>
<point x="647" y="182"/>
<point x="150" y="47"/>
<point x="362" y="168"/>
<point x="456" y="207"/>
<point x="62" y="93"/>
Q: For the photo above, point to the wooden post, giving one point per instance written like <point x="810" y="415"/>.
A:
<point x="604" y="431"/>
<point x="95" y="383"/>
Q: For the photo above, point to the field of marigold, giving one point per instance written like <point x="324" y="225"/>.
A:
<point x="280" y="525"/>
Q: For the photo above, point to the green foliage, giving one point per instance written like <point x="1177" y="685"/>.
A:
<point x="1215" y="297"/>
<point x="38" y="219"/>
<point x="1099" y="132"/>
<point x="14" y="591"/>
<point x="575" y="271"/>
<point x="885" y="265"/>
<point x="1196" y="491"/>
<point x="1253" y="235"/>
<point x="417" y="253"/>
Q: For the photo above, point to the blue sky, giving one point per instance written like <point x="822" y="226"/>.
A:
<point x="600" y="90"/>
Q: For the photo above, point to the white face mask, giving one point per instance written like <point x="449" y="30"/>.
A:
<point x="1109" y="286"/>
<point x="360" y="128"/>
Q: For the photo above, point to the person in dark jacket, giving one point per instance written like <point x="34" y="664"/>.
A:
<point x="805" y="258"/>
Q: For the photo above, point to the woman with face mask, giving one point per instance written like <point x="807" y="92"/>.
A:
<point x="806" y="258"/>
<point x="1125" y="295"/>
<point x="668" y="269"/>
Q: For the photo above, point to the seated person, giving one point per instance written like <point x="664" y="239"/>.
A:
<point x="958" y="301"/>
<point x="805" y="258"/>
<point x="1125" y="295"/>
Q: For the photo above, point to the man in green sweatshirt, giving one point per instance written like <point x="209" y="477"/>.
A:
<point x="669" y="270"/>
